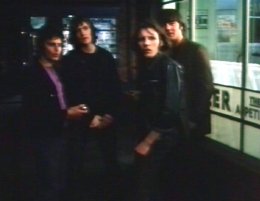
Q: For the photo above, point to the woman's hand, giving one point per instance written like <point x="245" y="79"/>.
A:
<point x="144" y="147"/>
<point x="77" y="112"/>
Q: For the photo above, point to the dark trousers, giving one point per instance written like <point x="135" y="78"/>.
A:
<point x="93" y="167"/>
<point x="152" y="173"/>
<point x="42" y="168"/>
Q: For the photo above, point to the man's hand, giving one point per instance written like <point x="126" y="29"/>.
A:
<point x="96" y="122"/>
<point x="101" y="122"/>
<point x="77" y="112"/>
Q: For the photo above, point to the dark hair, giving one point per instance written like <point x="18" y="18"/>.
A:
<point x="47" y="33"/>
<point x="76" y="21"/>
<point x="170" y="15"/>
<point x="153" y="25"/>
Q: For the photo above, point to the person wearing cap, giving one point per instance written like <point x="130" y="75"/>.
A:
<point x="197" y="73"/>
<point x="198" y="88"/>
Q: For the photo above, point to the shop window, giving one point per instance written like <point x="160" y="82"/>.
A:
<point x="253" y="70"/>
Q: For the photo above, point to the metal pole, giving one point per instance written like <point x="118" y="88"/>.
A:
<point x="245" y="41"/>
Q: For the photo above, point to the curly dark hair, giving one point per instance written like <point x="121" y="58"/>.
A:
<point x="46" y="33"/>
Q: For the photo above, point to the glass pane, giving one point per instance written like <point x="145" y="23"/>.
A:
<point x="252" y="115"/>
<point x="184" y="8"/>
<point x="226" y="100"/>
<point x="169" y="6"/>
<point x="225" y="131"/>
<point x="253" y="69"/>
<point x="252" y="107"/>
<point x="218" y="27"/>
<point x="251" y="142"/>
<point x="38" y="22"/>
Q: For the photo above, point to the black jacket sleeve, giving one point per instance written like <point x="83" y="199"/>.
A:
<point x="169" y="116"/>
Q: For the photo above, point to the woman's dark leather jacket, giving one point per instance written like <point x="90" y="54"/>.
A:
<point x="160" y="84"/>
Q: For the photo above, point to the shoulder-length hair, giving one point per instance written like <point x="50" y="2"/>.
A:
<point x="150" y="24"/>
<point x="75" y="23"/>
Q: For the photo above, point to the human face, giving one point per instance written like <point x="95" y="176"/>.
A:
<point x="84" y="34"/>
<point x="174" y="31"/>
<point x="52" y="49"/>
<point x="149" y="42"/>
